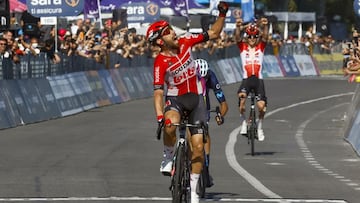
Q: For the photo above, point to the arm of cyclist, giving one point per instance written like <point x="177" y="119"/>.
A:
<point x="223" y="110"/>
<point x="159" y="105"/>
<point x="216" y="28"/>
<point x="263" y="24"/>
<point x="239" y="29"/>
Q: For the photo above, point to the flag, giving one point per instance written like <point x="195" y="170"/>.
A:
<point x="247" y="7"/>
<point x="91" y="9"/>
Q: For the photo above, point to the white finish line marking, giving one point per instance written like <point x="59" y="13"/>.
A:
<point x="164" y="199"/>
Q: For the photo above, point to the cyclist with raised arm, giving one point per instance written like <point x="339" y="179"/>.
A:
<point x="210" y="82"/>
<point x="175" y="67"/>
<point x="252" y="45"/>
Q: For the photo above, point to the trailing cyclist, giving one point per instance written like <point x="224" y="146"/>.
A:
<point x="175" y="67"/>
<point x="252" y="46"/>
<point x="210" y="82"/>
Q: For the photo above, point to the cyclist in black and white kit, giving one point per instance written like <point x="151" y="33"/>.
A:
<point x="210" y="81"/>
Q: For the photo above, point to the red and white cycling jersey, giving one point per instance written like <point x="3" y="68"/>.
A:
<point x="178" y="71"/>
<point x="252" y="59"/>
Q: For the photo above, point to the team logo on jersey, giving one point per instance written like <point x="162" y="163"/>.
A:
<point x="167" y="103"/>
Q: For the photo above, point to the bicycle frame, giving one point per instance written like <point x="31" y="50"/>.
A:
<point x="252" y="126"/>
<point x="180" y="174"/>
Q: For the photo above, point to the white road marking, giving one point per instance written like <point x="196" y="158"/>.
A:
<point x="300" y="140"/>
<point x="230" y="148"/>
<point x="88" y="199"/>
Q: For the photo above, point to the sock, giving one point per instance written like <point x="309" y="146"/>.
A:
<point x="259" y="125"/>
<point x="194" y="179"/>
<point x="242" y="118"/>
<point x="168" y="152"/>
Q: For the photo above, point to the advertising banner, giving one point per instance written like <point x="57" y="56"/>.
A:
<point x="47" y="8"/>
<point x="35" y="106"/>
<point x="142" y="12"/>
<point x="109" y="86"/>
<point x="146" y="80"/>
<point x="227" y="71"/>
<point x="288" y="65"/>
<point x="82" y="89"/>
<point x="233" y="63"/>
<point x="50" y="104"/>
<point x="120" y="85"/>
<point x="271" y="67"/>
<point x="97" y="88"/>
<point x="213" y="65"/>
<point x="68" y="101"/>
<point x="305" y="65"/>
<point x="9" y="115"/>
<point x="131" y="86"/>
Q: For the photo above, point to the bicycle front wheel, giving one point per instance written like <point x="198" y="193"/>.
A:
<point x="252" y="138"/>
<point x="177" y="182"/>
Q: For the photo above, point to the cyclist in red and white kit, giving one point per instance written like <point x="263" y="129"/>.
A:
<point x="252" y="45"/>
<point x="175" y="68"/>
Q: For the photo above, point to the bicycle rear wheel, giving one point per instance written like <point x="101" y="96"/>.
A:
<point x="252" y="138"/>
<point x="177" y="179"/>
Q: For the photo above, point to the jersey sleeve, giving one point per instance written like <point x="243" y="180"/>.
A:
<point x="213" y="83"/>
<point x="159" y="73"/>
<point x="193" y="39"/>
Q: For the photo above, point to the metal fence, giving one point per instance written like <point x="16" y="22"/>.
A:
<point x="41" y="66"/>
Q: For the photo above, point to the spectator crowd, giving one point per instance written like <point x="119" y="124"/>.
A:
<point x="351" y="60"/>
<point x="82" y="38"/>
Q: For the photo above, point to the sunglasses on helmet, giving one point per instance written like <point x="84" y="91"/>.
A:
<point x="253" y="36"/>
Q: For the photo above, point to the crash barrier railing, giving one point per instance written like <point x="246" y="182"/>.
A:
<point x="39" y="94"/>
<point x="352" y="121"/>
<point x="41" y="66"/>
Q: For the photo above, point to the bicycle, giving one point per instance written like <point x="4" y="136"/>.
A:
<point x="180" y="174"/>
<point x="203" y="179"/>
<point x="251" y="124"/>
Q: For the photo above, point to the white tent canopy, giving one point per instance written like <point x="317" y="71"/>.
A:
<point x="299" y="17"/>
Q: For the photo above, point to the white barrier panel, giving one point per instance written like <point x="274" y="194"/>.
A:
<point x="271" y="67"/>
<point x="227" y="71"/>
<point x="305" y="65"/>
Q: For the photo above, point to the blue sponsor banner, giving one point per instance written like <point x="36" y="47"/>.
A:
<point x="50" y="104"/>
<point x="271" y="67"/>
<point x="289" y="66"/>
<point x="120" y="84"/>
<point x="146" y="80"/>
<point x="98" y="89"/>
<point x="109" y="86"/>
<point x="126" y="76"/>
<point x="35" y="106"/>
<point x="48" y="8"/>
<point x="64" y="94"/>
<point x="82" y="89"/>
<point x="9" y="114"/>
<point x="142" y="12"/>
<point x="107" y="6"/>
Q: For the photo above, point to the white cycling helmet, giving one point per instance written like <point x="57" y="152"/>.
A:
<point x="202" y="67"/>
